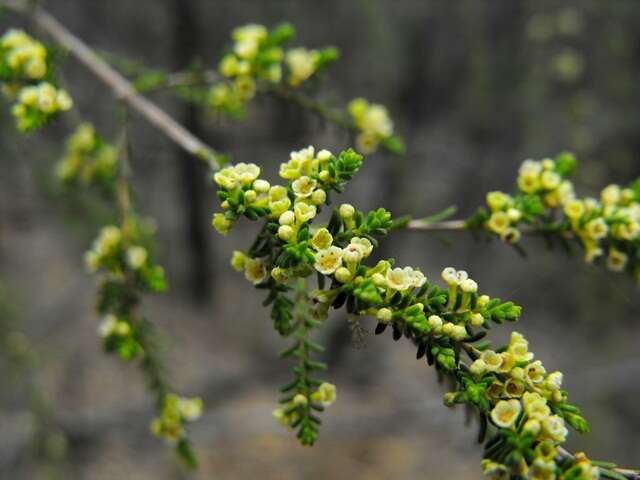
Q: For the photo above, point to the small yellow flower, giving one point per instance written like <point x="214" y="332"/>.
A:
<point x="321" y="239"/>
<point x="505" y="413"/>
<point x="554" y="427"/>
<point x="610" y="195"/>
<point x="221" y="223"/>
<point x="376" y="120"/>
<point x="108" y="325"/>
<point x="498" y="200"/>
<point x="498" y="222"/>
<point x="301" y="63"/>
<point x="535" y="372"/>
<point x="449" y="275"/>
<point x="326" y="394"/>
<point x="530" y="167"/>
<point x="303" y="186"/>
<point x="255" y="270"/>
<point x="304" y="212"/>
<point x="617" y="260"/>
<point x="513" y="388"/>
<point x="364" y="244"/>
<point x="47" y="97"/>
<point x="63" y="100"/>
<point x="367" y="142"/>
<point x="511" y="235"/>
<point x="468" y="286"/>
<point x="514" y="215"/>
<point x="226" y="178"/>
<point x="495" y="471"/>
<point x="553" y="381"/>
<point x="574" y="209"/>
<point x="398" y="279"/>
<point x="417" y="278"/>
<point x="628" y="231"/>
<point x="251" y="31"/>
<point x="528" y="182"/>
<point x="550" y="180"/>
<point x="478" y="367"/>
<point x="238" y="260"/>
<point x="328" y="260"/>
<point x="136" y="256"/>
<point x="597" y="229"/>
<point x="190" y="408"/>
<point x="492" y="359"/>
<point x="542" y="470"/>
<point x="280" y="275"/>
<point x="508" y="362"/>
<point x="246" y="172"/>
<point x="352" y="254"/>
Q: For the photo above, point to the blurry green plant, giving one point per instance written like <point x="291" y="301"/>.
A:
<point x="522" y="409"/>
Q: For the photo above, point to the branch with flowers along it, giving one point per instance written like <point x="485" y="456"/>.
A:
<point x="258" y="63"/>
<point x="121" y="255"/>
<point x="523" y="410"/>
<point x="546" y="205"/>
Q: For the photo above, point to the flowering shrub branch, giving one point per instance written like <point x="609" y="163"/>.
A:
<point x="523" y="411"/>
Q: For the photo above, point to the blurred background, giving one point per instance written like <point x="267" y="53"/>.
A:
<point x="474" y="87"/>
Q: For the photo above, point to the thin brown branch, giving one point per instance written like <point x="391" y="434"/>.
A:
<point x="121" y="88"/>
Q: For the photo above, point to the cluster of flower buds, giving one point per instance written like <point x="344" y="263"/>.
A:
<point x="21" y="57"/>
<point x="176" y="412"/>
<point x="290" y="413"/>
<point x="120" y="336"/>
<point x="258" y="55"/>
<point x="122" y="257"/>
<point x="38" y="103"/>
<point x="546" y="202"/>
<point x="88" y="159"/>
<point x="26" y="76"/>
<point x="311" y="177"/>
<point x="374" y="127"/>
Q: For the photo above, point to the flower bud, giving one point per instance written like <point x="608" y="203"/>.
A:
<point x="384" y="315"/>
<point x="287" y="218"/>
<point x="261" y="186"/>
<point x="318" y="197"/>
<point x="343" y="275"/>
<point x="347" y="211"/>
<point x="285" y="232"/>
